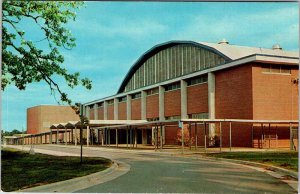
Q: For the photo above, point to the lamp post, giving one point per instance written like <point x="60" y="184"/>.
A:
<point x="81" y="126"/>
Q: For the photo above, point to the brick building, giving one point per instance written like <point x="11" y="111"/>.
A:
<point x="187" y="79"/>
<point x="40" y="118"/>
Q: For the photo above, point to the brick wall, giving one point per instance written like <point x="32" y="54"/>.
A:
<point x="274" y="95"/>
<point x="136" y="109"/>
<point x="171" y="135"/>
<point x="110" y="112"/>
<point x="172" y="103"/>
<point x="33" y="118"/>
<point x="100" y="113"/>
<point x="233" y="100"/>
<point x="197" y="99"/>
<point x="233" y="97"/>
<point x="122" y="111"/>
<point x="152" y="106"/>
<point x="91" y="114"/>
<point x="39" y="118"/>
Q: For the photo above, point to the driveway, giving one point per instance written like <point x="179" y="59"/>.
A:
<point x="155" y="172"/>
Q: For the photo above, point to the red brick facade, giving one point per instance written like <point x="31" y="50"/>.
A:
<point x="110" y="112"/>
<point x="172" y="103"/>
<point x="274" y="95"/>
<point x="92" y="114"/>
<point x="233" y="93"/>
<point x="100" y="113"/>
<point x="152" y="106"/>
<point x="136" y="109"/>
<point x="39" y="118"/>
<point x="197" y="99"/>
<point x="122" y="111"/>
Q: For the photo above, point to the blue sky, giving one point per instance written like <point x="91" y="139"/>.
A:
<point x="112" y="35"/>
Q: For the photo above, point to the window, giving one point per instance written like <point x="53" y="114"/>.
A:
<point x="177" y="117"/>
<point x="136" y="95"/>
<point x="198" y="116"/>
<point x="123" y="99"/>
<point x="153" y="119"/>
<point x="100" y="104"/>
<point x="110" y="101"/>
<point x="281" y="69"/>
<point x="172" y="86"/>
<point x="197" y="80"/>
<point x="152" y="91"/>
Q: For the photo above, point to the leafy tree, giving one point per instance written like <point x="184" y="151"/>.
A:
<point x="10" y="133"/>
<point x="23" y="62"/>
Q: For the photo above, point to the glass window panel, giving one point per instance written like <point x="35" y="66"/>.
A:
<point x="275" y="68"/>
<point x="285" y="69"/>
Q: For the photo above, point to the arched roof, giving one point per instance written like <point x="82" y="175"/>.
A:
<point x="159" y="48"/>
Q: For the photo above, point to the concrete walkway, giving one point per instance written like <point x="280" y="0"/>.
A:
<point x="170" y="172"/>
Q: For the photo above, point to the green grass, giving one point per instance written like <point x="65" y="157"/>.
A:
<point x="21" y="170"/>
<point x="288" y="160"/>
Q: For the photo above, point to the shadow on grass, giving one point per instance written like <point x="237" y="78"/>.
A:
<point x="20" y="170"/>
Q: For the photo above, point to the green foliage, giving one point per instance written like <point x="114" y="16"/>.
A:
<point x="10" y="133"/>
<point x="23" y="61"/>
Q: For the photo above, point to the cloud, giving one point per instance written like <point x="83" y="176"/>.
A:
<point x="263" y="28"/>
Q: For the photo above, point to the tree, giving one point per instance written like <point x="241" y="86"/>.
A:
<point x="186" y="136"/>
<point x="23" y="62"/>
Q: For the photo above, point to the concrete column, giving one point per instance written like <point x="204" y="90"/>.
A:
<point x="183" y="95"/>
<point x="66" y="136"/>
<point x="128" y="108"/>
<point x="87" y="112"/>
<point x="50" y="138"/>
<point x="161" y="103"/>
<point x="75" y="135"/>
<point x="87" y="136"/>
<point x="96" y="111"/>
<point x="211" y="106"/>
<point x="57" y="136"/>
<point x="105" y="110"/>
<point x="143" y="105"/>
<point x="116" y="109"/>
<point x="102" y="137"/>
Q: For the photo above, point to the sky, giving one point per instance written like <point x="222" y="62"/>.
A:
<point x="111" y="36"/>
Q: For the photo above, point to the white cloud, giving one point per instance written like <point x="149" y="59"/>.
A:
<point x="258" y="29"/>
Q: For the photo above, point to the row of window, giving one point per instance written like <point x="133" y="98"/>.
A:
<point x="283" y="69"/>
<point x="171" y="63"/>
<point x="198" y="116"/>
<point x="173" y="86"/>
<point x="197" y="80"/>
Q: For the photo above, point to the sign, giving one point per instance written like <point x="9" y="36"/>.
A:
<point x="180" y="124"/>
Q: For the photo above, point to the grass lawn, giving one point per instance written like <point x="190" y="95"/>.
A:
<point x="288" y="160"/>
<point x="21" y="170"/>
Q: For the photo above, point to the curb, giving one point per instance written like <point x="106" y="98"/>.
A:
<point x="70" y="185"/>
<point x="259" y="165"/>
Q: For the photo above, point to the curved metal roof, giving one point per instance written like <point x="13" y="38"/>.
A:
<point x="159" y="48"/>
<point x="228" y="51"/>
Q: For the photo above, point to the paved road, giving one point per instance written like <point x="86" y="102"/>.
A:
<point x="158" y="173"/>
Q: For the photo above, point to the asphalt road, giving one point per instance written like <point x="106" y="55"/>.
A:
<point x="160" y="173"/>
